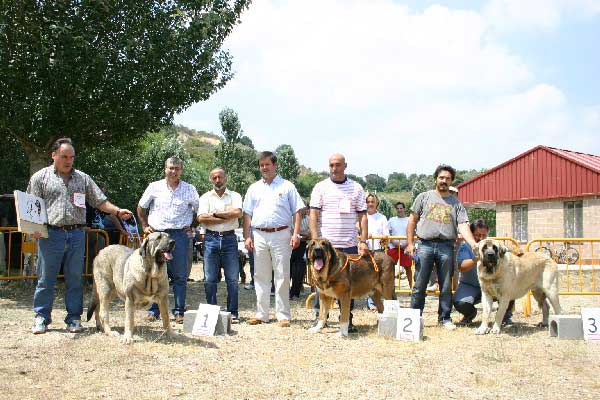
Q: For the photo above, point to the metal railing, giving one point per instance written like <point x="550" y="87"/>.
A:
<point x="578" y="264"/>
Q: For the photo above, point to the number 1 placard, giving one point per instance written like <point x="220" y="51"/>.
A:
<point x="206" y="320"/>
<point x="409" y="325"/>
<point x="591" y="323"/>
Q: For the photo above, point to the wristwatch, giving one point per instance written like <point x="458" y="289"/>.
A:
<point x="299" y="236"/>
<point x="363" y="241"/>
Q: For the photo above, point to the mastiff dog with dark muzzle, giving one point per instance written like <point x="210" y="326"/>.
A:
<point x="139" y="277"/>
<point x="505" y="277"/>
<point x="345" y="277"/>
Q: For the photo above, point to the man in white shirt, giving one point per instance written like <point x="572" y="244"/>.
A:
<point x="168" y="206"/>
<point x="269" y="208"/>
<point x="218" y="212"/>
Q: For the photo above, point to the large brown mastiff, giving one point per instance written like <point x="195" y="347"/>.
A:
<point x="346" y="277"/>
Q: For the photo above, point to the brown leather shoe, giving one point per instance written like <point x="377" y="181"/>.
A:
<point x="284" y="323"/>
<point x="179" y="319"/>
<point x="255" y="321"/>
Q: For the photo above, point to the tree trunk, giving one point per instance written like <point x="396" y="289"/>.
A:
<point x="38" y="157"/>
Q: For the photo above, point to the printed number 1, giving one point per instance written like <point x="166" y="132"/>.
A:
<point x="408" y="323"/>
<point x="592" y="324"/>
<point x="205" y="319"/>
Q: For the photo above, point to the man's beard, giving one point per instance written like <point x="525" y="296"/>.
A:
<point x="219" y="187"/>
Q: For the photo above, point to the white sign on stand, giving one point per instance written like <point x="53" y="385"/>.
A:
<point x="409" y="326"/>
<point x="391" y="306"/>
<point x="206" y="320"/>
<point x="591" y="323"/>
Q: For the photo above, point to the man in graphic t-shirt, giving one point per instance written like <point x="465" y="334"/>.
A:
<point x="438" y="218"/>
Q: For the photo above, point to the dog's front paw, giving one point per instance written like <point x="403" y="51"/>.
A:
<point x="496" y="329"/>
<point x="482" y="330"/>
<point x="341" y="333"/>
<point x="317" y="328"/>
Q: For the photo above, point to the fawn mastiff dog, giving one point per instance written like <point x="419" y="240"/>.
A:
<point x="139" y="277"/>
<point x="344" y="277"/>
<point x="505" y="277"/>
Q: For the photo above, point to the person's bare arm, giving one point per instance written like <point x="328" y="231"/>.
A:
<point x="313" y="223"/>
<point x="110" y="208"/>
<point x="219" y="217"/>
<point x="467" y="235"/>
<point x="295" y="240"/>
<point x="363" y="220"/>
<point x="248" y="242"/>
<point x="143" y="217"/>
<point x="410" y="233"/>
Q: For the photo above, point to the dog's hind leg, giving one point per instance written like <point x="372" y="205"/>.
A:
<point x="102" y="314"/>
<point x="542" y="301"/>
<point x="376" y="297"/>
<point x="486" y="302"/>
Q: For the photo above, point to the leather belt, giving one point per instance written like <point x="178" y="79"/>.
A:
<point x="231" y="232"/>
<point x="438" y="240"/>
<point x="67" y="227"/>
<point x="272" y="229"/>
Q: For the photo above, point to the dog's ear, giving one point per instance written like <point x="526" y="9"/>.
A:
<point x="144" y="247"/>
<point x="502" y="250"/>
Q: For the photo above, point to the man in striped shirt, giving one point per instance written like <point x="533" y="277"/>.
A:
<point x="336" y="203"/>
<point x="168" y="206"/>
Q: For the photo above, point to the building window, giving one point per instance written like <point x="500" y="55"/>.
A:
<point x="573" y="219"/>
<point x="519" y="222"/>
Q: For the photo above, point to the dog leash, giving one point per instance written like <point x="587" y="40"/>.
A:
<point x="357" y="258"/>
<point x="133" y="237"/>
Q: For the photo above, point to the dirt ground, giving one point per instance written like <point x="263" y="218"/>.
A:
<point x="266" y="361"/>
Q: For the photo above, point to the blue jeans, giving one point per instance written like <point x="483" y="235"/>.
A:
<point x="177" y="269"/>
<point x="66" y="248"/>
<point x="441" y="255"/>
<point x="221" y="251"/>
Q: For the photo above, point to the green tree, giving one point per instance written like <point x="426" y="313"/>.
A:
<point x="107" y="71"/>
<point x="397" y="182"/>
<point x="488" y="215"/>
<point x="306" y="182"/>
<point x="386" y="207"/>
<point x="358" y="179"/>
<point x="15" y="166"/>
<point x="237" y="160"/>
<point x="287" y="163"/>
<point x="375" y="183"/>
<point x="420" y="186"/>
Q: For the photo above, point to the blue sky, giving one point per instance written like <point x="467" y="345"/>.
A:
<point x="402" y="86"/>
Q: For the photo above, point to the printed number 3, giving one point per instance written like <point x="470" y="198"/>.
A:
<point x="592" y="323"/>
<point x="408" y="323"/>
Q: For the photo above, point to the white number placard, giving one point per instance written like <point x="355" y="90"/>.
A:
<point x="591" y="323"/>
<point x="391" y="306"/>
<point x="409" y="325"/>
<point x="206" y="320"/>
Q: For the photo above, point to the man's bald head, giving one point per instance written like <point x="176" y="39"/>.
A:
<point x="338" y="158"/>
<point x="337" y="167"/>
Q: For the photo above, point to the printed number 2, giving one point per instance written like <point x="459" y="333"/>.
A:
<point x="205" y="319"/>
<point x="408" y="323"/>
<point x="592" y="323"/>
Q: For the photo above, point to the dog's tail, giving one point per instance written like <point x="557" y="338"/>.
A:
<point x="93" y="304"/>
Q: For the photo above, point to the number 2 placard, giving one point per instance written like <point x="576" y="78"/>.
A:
<point x="591" y="323"/>
<point x="409" y="325"/>
<point x="206" y="320"/>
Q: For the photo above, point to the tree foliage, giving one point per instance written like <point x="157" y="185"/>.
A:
<point x="420" y="186"/>
<point x="306" y="182"/>
<point x="238" y="161"/>
<point x="375" y="183"/>
<point x="287" y="163"/>
<point x="107" y="71"/>
<point x="358" y="179"/>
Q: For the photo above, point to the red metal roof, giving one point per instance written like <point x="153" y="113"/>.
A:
<point x="540" y="173"/>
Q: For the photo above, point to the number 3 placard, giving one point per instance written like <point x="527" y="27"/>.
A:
<point x="206" y="320"/>
<point x="409" y="326"/>
<point x="591" y="323"/>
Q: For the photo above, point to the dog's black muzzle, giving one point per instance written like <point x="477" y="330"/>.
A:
<point x="490" y="260"/>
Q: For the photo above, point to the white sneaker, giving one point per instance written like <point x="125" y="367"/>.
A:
<point x="433" y="287"/>
<point x="248" y="286"/>
<point x="448" y="325"/>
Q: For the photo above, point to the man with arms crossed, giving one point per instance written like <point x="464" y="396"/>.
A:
<point x="336" y="204"/>
<point x="397" y="248"/>
<point x="219" y="211"/>
<point x="269" y="208"/>
<point x="438" y="217"/>
<point x="168" y="206"/>
<point x="65" y="191"/>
